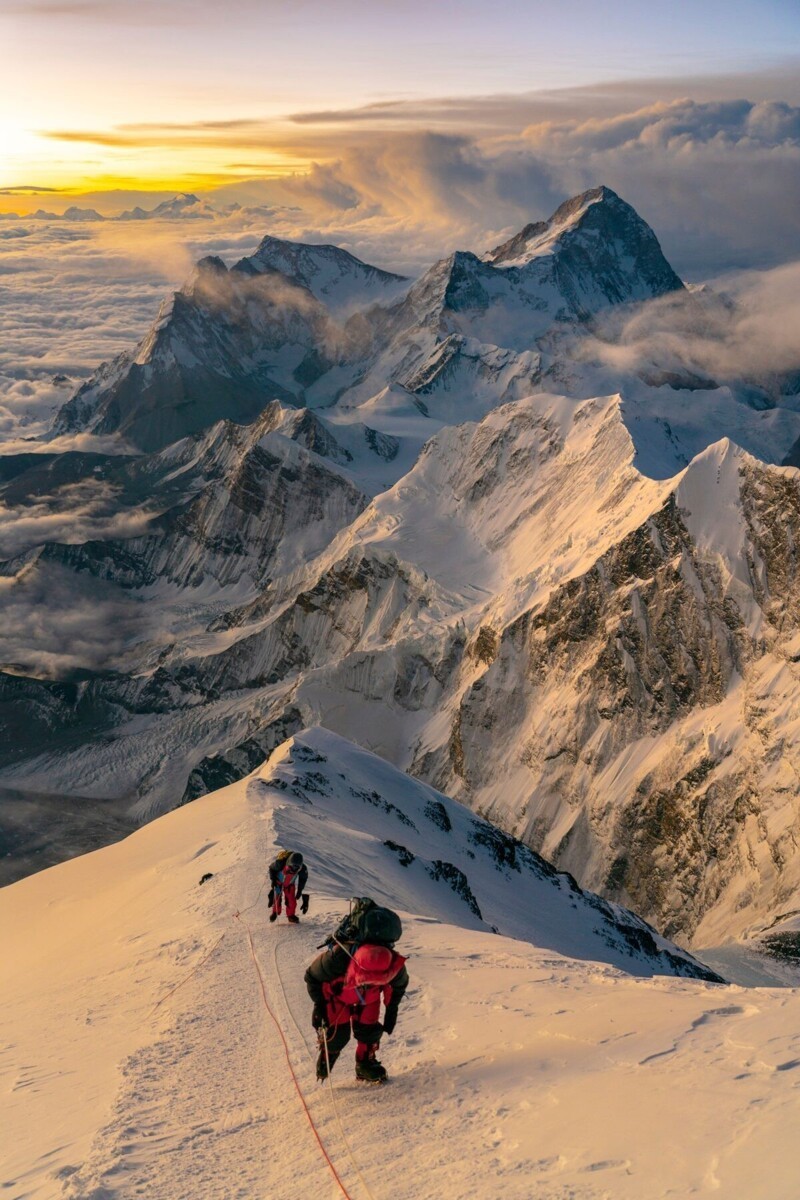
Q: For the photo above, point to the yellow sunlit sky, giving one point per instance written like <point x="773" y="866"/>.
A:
<point x="145" y="96"/>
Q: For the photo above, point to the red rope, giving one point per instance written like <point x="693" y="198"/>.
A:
<point x="276" y="1023"/>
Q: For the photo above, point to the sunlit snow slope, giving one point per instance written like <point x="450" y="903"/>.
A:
<point x="139" y="1058"/>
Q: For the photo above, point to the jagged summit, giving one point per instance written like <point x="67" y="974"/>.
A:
<point x="567" y="215"/>
<point x="593" y="253"/>
<point x="333" y="275"/>
<point x="74" y="213"/>
<point x="595" y="233"/>
<point x="209" y="267"/>
<point x="179" y="207"/>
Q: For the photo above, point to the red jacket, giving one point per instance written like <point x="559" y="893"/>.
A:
<point x="368" y="979"/>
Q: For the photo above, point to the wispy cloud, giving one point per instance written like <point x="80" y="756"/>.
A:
<point x="23" y="189"/>
<point x="75" y="513"/>
<point x="510" y="112"/>
<point x="55" y="621"/>
<point x="749" y="333"/>
<point x="94" y="12"/>
<point x="715" y="177"/>
<point x="196" y="127"/>
<point x="96" y="137"/>
<point x="60" y="8"/>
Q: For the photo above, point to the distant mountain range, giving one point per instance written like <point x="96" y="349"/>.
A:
<point x="182" y="207"/>
<point x="449" y="519"/>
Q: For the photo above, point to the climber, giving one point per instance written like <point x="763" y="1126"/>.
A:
<point x="347" y="986"/>
<point x="288" y="876"/>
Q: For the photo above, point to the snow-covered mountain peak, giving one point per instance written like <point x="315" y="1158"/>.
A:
<point x="734" y="507"/>
<point x="595" y="252"/>
<point x="74" y="213"/>
<point x="333" y="276"/>
<point x="183" y="206"/>
<point x="599" y="208"/>
<point x="206" y="274"/>
<point x="598" y="241"/>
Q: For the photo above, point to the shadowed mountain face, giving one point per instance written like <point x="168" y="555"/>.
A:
<point x="271" y="328"/>
<point x="223" y="347"/>
<point x="430" y="516"/>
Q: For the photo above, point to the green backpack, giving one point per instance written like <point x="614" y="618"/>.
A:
<point x="367" y="922"/>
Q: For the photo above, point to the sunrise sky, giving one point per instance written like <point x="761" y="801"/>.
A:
<point x="98" y="95"/>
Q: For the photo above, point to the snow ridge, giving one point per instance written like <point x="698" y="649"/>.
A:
<point x="172" y="1083"/>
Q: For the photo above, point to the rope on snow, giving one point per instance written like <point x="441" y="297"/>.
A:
<point x="331" y="1091"/>
<point x="276" y="1023"/>
<point x="238" y="917"/>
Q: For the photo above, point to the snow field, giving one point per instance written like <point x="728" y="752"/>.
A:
<point x="517" y="1072"/>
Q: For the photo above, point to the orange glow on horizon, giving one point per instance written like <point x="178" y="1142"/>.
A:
<point x="110" y="194"/>
<point x="43" y="169"/>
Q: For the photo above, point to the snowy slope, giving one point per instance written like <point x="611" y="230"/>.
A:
<point x="433" y="845"/>
<point x="141" y="1058"/>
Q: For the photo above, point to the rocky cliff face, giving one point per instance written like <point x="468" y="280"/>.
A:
<point x="354" y="502"/>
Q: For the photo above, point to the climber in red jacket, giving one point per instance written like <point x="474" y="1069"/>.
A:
<point x="347" y="990"/>
<point x="288" y="876"/>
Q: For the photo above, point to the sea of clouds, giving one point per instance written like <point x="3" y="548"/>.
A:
<point x="717" y="180"/>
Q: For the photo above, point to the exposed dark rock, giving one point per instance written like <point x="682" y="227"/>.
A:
<point x="457" y="881"/>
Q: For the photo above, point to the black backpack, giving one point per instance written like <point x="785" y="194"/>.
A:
<point x="367" y="922"/>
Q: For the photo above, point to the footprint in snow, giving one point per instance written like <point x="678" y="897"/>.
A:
<point x="732" y="1010"/>
<point x="607" y="1164"/>
<point x="555" y="1163"/>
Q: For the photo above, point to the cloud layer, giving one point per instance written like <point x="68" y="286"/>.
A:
<point x="747" y="333"/>
<point x="718" y="181"/>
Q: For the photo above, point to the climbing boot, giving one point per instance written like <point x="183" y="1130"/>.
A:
<point x="369" y="1070"/>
